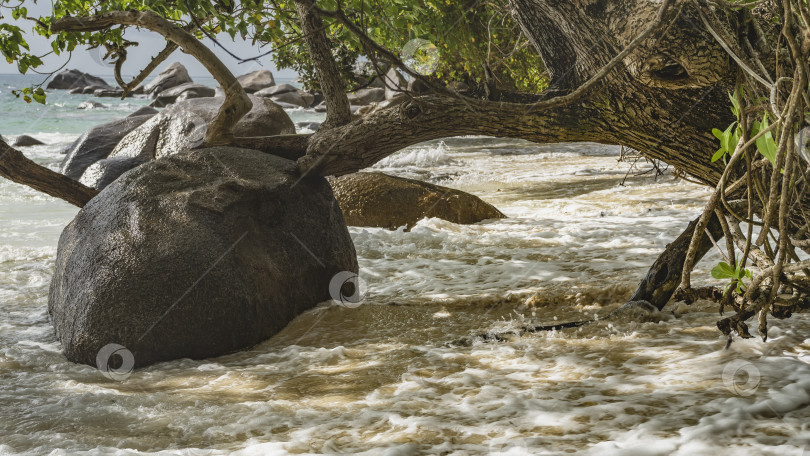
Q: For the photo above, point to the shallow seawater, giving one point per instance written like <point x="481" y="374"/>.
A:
<point x="403" y="373"/>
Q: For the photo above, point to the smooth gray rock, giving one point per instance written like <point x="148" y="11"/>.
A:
<point x="71" y="79"/>
<point x="197" y="255"/>
<point x="26" y="141"/>
<point x="256" y="80"/>
<point x="96" y="144"/>
<point x="366" y="96"/>
<point x="90" y="105"/>
<point x="418" y="87"/>
<point x="187" y="91"/>
<point x="276" y="90"/>
<point x="173" y="76"/>
<point x="182" y="126"/>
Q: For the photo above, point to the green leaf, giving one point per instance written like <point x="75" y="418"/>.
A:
<point x="39" y="96"/>
<point x="766" y="144"/>
<point x="718" y="155"/>
<point x="723" y="271"/>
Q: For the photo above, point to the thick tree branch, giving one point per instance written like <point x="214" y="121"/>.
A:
<point x="347" y="149"/>
<point x="236" y="104"/>
<point x="338" y="111"/>
<point x="16" y="167"/>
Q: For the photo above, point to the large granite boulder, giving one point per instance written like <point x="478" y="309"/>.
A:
<point x="97" y="143"/>
<point x="380" y="200"/>
<point x="182" y="126"/>
<point x="366" y="96"/>
<point x="298" y="98"/>
<point x="256" y="80"/>
<point x="71" y="79"/>
<point x="276" y="90"/>
<point x="188" y="91"/>
<point x="197" y="255"/>
<point x="173" y="76"/>
<point x="144" y="110"/>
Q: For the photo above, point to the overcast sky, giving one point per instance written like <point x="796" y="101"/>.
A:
<point x="149" y="45"/>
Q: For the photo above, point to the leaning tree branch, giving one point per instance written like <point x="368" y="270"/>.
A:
<point x="236" y="104"/>
<point x="347" y="149"/>
<point x="16" y="167"/>
<point x="338" y="111"/>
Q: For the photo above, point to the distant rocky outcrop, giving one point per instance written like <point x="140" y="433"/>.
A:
<point x="180" y="127"/>
<point x="173" y="76"/>
<point x="72" y="79"/>
<point x="111" y="93"/>
<point x="97" y="143"/>
<point x="256" y="80"/>
<point x="380" y="200"/>
<point x="196" y="255"/>
<point x="187" y="91"/>
<point x="27" y="141"/>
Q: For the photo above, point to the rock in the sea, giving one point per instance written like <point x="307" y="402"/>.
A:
<point x="111" y="93"/>
<point x="308" y="125"/>
<point x="182" y="126"/>
<point x="97" y="143"/>
<point x="71" y="79"/>
<point x="256" y="80"/>
<point x="26" y="141"/>
<point x="380" y="200"/>
<point x="298" y="98"/>
<point x="197" y="255"/>
<point x="188" y="91"/>
<point x="366" y="96"/>
<point x="173" y="76"/>
<point x="276" y="90"/>
<point x="90" y="105"/>
<point x="90" y="90"/>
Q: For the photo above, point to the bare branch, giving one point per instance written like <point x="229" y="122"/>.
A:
<point x="16" y="167"/>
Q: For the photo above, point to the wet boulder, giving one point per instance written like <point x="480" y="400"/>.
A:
<point x="380" y="200"/>
<point x="256" y="80"/>
<point x="26" y="141"/>
<point x="173" y="76"/>
<point x="97" y="143"/>
<point x="71" y="79"/>
<point x="105" y="171"/>
<point x="187" y="91"/>
<point x="196" y="255"/>
<point x="182" y="126"/>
